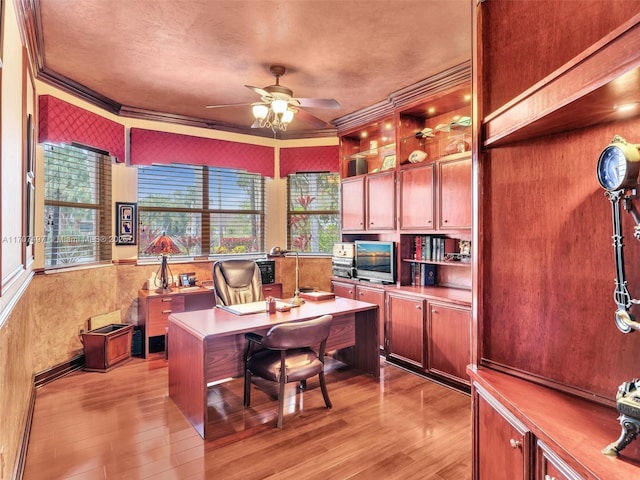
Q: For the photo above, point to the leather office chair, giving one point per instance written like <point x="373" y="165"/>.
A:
<point x="289" y="348"/>
<point x="237" y="281"/>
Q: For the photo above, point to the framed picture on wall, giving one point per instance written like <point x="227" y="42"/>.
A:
<point x="126" y="223"/>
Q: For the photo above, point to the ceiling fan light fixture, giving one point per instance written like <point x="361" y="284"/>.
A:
<point x="260" y="112"/>
<point x="287" y="116"/>
<point x="279" y="106"/>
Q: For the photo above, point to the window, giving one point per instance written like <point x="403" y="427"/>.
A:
<point x="77" y="206"/>
<point x="313" y="215"/>
<point x="205" y="210"/>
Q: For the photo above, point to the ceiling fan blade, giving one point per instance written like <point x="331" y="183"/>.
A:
<point x="228" y="105"/>
<point x="312" y="120"/>
<point x="260" y="91"/>
<point x="318" y="102"/>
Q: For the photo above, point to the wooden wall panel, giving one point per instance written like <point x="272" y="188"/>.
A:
<point x="548" y="263"/>
<point x="559" y="30"/>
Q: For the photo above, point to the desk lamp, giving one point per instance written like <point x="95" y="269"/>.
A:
<point x="163" y="245"/>
<point x="296" y="294"/>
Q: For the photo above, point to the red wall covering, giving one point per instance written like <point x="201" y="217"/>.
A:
<point x="61" y="122"/>
<point x="149" y="146"/>
<point x="309" y="159"/>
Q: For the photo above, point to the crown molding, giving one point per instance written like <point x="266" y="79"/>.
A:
<point x="439" y="82"/>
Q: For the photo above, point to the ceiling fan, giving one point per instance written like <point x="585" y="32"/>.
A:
<point x="278" y="106"/>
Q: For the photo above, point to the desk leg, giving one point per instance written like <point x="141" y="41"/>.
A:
<point x="187" y="383"/>
<point x="367" y="348"/>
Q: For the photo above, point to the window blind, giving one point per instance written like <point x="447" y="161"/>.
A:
<point x="77" y="206"/>
<point x="205" y="210"/>
<point x="313" y="214"/>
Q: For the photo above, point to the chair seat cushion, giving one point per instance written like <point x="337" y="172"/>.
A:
<point x="266" y="364"/>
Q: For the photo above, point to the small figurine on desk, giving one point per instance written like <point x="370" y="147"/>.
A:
<point x="628" y="405"/>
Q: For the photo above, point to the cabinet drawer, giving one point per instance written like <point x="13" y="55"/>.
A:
<point x="159" y="311"/>
<point x="272" y="290"/>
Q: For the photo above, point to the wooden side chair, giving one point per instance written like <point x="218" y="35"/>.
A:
<point x="289" y="352"/>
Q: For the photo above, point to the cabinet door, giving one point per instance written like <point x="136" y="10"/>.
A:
<point x="406" y="324"/>
<point x="381" y="204"/>
<point x="503" y="442"/>
<point x="455" y="194"/>
<point x="374" y="295"/>
<point x="344" y="290"/>
<point x="416" y="198"/>
<point x="449" y="341"/>
<point x="549" y="466"/>
<point x="352" y="198"/>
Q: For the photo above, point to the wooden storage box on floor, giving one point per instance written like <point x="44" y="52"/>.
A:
<point x="107" y="347"/>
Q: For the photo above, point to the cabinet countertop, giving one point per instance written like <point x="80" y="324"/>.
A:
<point x="580" y="427"/>
<point x="457" y="296"/>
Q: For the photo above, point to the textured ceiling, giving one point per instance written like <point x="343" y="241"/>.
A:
<point x="176" y="56"/>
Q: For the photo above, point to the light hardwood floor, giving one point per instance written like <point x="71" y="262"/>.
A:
<point x="123" y="425"/>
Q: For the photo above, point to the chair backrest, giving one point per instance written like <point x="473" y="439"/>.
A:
<point x="237" y="281"/>
<point x="307" y="333"/>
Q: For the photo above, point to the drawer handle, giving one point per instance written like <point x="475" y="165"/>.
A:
<point x="515" y="443"/>
<point x="419" y="307"/>
<point x="166" y="311"/>
<point x="167" y="299"/>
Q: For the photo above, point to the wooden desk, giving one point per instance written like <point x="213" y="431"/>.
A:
<point x="208" y="345"/>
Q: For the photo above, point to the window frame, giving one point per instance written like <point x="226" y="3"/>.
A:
<point x="292" y="214"/>
<point x="204" y="213"/>
<point x="101" y="229"/>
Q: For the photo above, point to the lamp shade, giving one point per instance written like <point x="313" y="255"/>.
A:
<point x="162" y="245"/>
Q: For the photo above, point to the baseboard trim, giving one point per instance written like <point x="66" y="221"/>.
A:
<point x="59" y="371"/>
<point x="21" y="458"/>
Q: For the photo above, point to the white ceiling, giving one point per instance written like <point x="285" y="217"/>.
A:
<point x="173" y="57"/>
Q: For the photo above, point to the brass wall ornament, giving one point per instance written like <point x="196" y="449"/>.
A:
<point x="618" y="169"/>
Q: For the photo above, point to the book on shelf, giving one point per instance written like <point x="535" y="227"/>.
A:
<point x="423" y="274"/>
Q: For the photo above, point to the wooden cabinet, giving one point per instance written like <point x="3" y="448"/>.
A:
<point x="345" y="290"/>
<point x="352" y="210"/>
<point x="503" y="442"/>
<point x="406" y="321"/>
<point x="549" y="466"/>
<point x="272" y="290"/>
<point x="562" y="435"/>
<point x="416" y="198"/>
<point x="455" y="194"/>
<point x="154" y="309"/>
<point x="381" y="205"/>
<point x="449" y="341"/>
<point x="375" y="295"/>
<point x="368" y="203"/>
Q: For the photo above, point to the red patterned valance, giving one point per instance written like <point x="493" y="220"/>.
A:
<point x="62" y="122"/>
<point x="309" y="159"/>
<point x="150" y="146"/>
